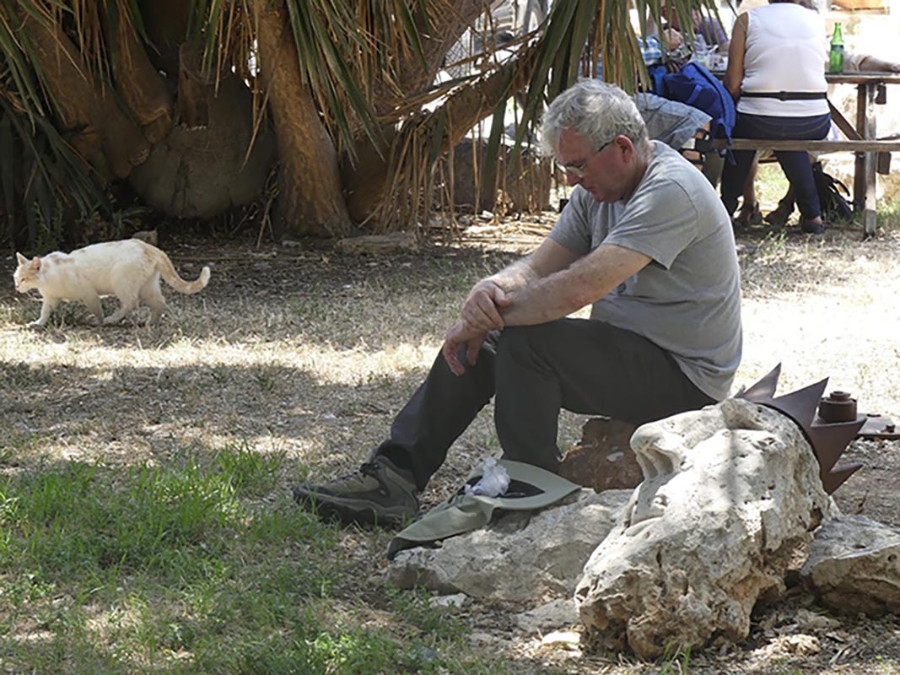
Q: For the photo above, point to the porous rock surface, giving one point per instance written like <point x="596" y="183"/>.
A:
<point x="521" y="557"/>
<point x="729" y="492"/>
<point x="854" y="566"/>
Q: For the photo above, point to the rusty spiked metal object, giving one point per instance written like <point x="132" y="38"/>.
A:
<point x="828" y="439"/>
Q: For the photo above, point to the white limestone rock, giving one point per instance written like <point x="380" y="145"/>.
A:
<point x="728" y="493"/>
<point x="556" y="615"/>
<point x="518" y="559"/>
<point x="854" y="566"/>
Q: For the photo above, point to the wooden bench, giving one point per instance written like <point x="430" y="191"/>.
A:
<point x="873" y="156"/>
<point x="872" y="153"/>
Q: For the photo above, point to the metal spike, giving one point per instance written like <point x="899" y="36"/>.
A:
<point x="828" y="441"/>
<point x="801" y="405"/>
<point x="764" y="389"/>
<point x="832" y="480"/>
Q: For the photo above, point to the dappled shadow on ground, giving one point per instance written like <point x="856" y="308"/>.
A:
<point x="312" y="353"/>
<point x="281" y="293"/>
<point x="132" y="414"/>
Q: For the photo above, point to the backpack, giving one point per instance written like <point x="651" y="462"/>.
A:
<point x="696" y="86"/>
<point x="833" y="204"/>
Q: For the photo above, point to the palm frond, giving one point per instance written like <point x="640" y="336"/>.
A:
<point x="41" y="179"/>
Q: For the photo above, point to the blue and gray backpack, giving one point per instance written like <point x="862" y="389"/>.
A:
<point x="696" y="86"/>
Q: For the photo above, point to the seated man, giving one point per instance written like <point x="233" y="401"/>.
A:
<point x="680" y="126"/>
<point x="708" y="31"/>
<point x="646" y="241"/>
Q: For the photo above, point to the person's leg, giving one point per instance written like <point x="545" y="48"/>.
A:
<point x="587" y="367"/>
<point x="798" y="166"/>
<point x="749" y="213"/>
<point x="779" y="217"/>
<point x="798" y="170"/>
<point x="734" y="175"/>
<point x="383" y="489"/>
<point x="804" y="128"/>
<point x="713" y="164"/>
<point x="749" y="193"/>
<point x="795" y="164"/>
<point x="437" y="413"/>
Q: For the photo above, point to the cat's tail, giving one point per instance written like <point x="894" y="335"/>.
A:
<point x="167" y="271"/>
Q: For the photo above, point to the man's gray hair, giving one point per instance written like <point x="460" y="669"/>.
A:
<point x="596" y="110"/>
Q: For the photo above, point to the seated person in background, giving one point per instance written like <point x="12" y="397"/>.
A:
<point x="679" y="126"/>
<point x="676" y="124"/>
<point x="708" y="31"/>
<point x="646" y="242"/>
<point x="777" y="102"/>
<point x="749" y="212"/>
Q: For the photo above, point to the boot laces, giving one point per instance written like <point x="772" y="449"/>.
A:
<point x="359" y="477"/>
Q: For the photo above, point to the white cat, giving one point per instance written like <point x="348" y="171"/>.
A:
<point x="129" y="269"/>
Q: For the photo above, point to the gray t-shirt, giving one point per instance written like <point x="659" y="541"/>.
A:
<point x="688" y="299"/>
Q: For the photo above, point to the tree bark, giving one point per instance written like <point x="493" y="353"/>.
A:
<point x="214" y="158"/>
<point x="310" y="198"/>
<point x="98" y="128"/>
<point x="415" y="73"/>
<point x="139" y="84"/>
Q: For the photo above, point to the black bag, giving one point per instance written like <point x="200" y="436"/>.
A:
<point x="833" y="204"/>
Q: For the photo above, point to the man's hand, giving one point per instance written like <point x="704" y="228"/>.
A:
<point x="458" y="335"/>
<point x="481" y="310"/>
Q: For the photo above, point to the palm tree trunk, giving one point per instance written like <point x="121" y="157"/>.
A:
<point x="141" y="87"/>
<point x="100" y="130"/>
<point x="369" y="187"/>
<point x="311" y="199"/>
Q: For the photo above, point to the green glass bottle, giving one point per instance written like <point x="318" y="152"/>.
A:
<point x="836" y="57"/>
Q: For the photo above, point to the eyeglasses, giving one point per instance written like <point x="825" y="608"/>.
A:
<point x="577" y="168"/>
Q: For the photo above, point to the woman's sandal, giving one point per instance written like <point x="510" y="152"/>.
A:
<point x="779" y="217"/>
<point x="748" y="215"/>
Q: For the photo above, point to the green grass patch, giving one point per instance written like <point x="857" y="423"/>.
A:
<point x="192" y="567"/>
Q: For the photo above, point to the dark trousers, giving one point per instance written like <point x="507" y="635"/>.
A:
<point x="794" y="163"/>
<point x="585" y="366"/>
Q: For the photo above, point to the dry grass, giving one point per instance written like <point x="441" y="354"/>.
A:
<point x="308" y="354"/>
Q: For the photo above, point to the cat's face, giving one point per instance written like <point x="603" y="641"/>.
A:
<point x="27" y="273"/>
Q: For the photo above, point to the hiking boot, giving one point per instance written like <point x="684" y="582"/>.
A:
<point x="378" y="493"/>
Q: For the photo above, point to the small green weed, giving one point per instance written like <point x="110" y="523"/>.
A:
<point x="676" y="660"/>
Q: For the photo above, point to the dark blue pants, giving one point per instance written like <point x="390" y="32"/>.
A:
<point x="585" y="366"/>
<point x="794" y="163"/>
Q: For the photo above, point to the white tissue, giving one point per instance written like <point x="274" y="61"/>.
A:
<point x="494" y="481"/>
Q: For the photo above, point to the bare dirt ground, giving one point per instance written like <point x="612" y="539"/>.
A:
<point x="302" y="350"/>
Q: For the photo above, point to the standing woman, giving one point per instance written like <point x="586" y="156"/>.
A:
<point x="776" y="74"/>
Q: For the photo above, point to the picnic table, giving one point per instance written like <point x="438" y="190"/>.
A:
<point x="873" y="154"/>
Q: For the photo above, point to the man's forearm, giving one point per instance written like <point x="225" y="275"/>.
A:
<point x="481" y="310"/>
<point x="585" y="281"/>
<point x="543" y="300"/>
<point x="517" y="275"/>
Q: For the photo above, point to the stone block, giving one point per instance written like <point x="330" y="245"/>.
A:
<point x="603" y="459"/>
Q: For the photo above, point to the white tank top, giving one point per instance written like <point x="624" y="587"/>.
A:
<point x="786" y="50"/>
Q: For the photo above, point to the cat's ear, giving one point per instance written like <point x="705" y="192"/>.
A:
<point x="21" y="258"/>
<point x="36" y="263"/>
